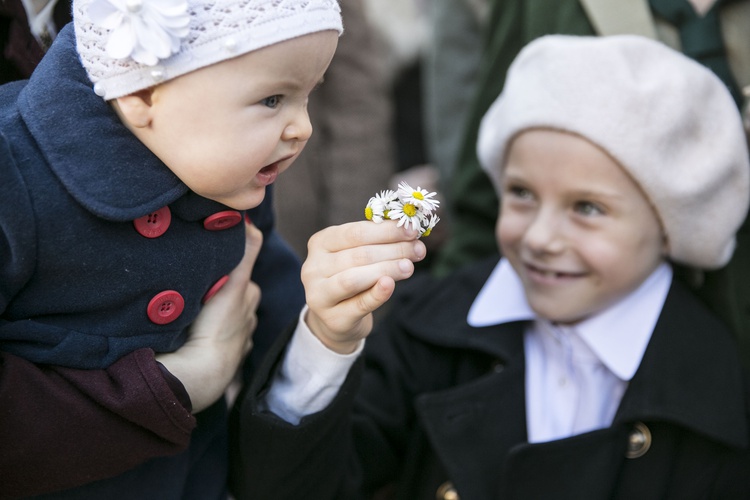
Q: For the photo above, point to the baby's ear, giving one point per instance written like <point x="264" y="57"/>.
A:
<point x="135" y="108"/>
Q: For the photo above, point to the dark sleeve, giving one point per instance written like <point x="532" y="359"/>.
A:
<point x="62" y="427"/>
<point x="271" y="458"/>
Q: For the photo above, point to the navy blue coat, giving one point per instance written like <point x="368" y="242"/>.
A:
<point x="77" y="279"/>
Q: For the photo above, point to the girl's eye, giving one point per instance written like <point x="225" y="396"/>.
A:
<point x="271" y="101"/>
<point x="588" y="208"/>
<point x="519" y="192"/>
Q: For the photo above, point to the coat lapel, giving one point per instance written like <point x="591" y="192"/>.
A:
<point x="690" y="374"/>
<point x="473" y="425"/>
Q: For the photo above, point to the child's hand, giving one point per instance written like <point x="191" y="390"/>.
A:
<point x="221" y="335"/>
<point x="350" y="271"/>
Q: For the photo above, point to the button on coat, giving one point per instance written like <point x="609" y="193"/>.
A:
<point x="222" y="220"/>
<point x="154" y="224"/>
<point x="165" y="307"/>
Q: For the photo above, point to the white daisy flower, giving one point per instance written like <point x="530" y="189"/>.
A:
<point x="406" y="214"/>
<point x="379" y="205"/>
<point x="427" y="228"/>
<point x="410" y="207"/>
<point x="418" y="197"/>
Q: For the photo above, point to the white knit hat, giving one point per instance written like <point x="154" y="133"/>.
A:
<point x="667" y="120"/>
<point x="130" y="45"/>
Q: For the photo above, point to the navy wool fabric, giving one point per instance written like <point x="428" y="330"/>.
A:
<point x="76" y="278"/>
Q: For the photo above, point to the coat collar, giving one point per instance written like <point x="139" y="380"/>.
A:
<point x="628" y="323"/>
<point x="690" y="374"/>
<point x="442" y="319"/>
<point x="103" y="166"/>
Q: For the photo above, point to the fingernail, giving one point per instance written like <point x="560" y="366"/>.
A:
<point x="419" y="250"/>
<point x="405" y="265"/>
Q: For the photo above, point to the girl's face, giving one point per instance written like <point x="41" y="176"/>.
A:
<point x="576" y="228"/>
<point x="229" y="129"/>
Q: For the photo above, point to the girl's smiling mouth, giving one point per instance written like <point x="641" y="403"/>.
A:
<point x="549" y="276"/>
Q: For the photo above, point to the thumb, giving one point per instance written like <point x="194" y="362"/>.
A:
<point x="253" y="243"/>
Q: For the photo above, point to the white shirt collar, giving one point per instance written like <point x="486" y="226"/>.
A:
<point x="502" y="300"/>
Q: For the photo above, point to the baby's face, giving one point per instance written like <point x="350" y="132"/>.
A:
<point x="228" y="130"/>
<point x="575" y="227"/>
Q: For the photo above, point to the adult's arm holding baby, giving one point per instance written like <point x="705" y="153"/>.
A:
<point x="63" y="427"/>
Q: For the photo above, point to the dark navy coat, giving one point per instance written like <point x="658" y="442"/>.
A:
<point x="436" y="407"/>
<point x="89" y="269"/>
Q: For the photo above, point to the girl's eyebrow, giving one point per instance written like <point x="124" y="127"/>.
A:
<point x="609" y="193"/>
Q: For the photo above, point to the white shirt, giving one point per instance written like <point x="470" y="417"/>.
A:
<point x="575" y="376"/>
<point x="574" y="379"/>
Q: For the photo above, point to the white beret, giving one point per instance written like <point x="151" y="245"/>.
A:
<point x="667" y="120"/>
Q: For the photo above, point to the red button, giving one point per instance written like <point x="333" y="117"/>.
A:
<point x="215" y="288"/>
<point x="165" y="307"/>
<point x="155" y="224"/>
<point x="222" y="220"/>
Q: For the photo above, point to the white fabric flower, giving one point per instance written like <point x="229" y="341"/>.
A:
<point x="144" y="30"/>
<point x="419" y="197"/>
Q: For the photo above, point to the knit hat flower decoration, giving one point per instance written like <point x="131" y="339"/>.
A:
<point x="146" y="31"/>
<point x="408" y="206"/>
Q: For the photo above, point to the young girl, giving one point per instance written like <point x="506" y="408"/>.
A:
<point x="129" y="162"/>
<point x="576" y="367"/>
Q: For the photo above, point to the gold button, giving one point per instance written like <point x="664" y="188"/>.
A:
<point x="639" y="441"/>
<point x="446" y="491"/>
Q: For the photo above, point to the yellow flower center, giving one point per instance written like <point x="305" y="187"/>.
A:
<point x="418" y="195"/>
<point x="410" y="209"/>
<point x="427" y="232"/>
<point x="368" y="213"/>
<point x="385" y="214"/>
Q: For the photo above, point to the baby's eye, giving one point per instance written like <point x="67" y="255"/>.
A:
<point x="588" y="208"/>
<point x="271" y="101"/>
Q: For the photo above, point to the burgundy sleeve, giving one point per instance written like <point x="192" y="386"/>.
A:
<point x="61" y="427"/>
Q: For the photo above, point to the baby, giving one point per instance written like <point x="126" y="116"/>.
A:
<point x="130" y="161"/>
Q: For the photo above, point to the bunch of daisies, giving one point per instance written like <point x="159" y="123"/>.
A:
<point x="406" y="205"/>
